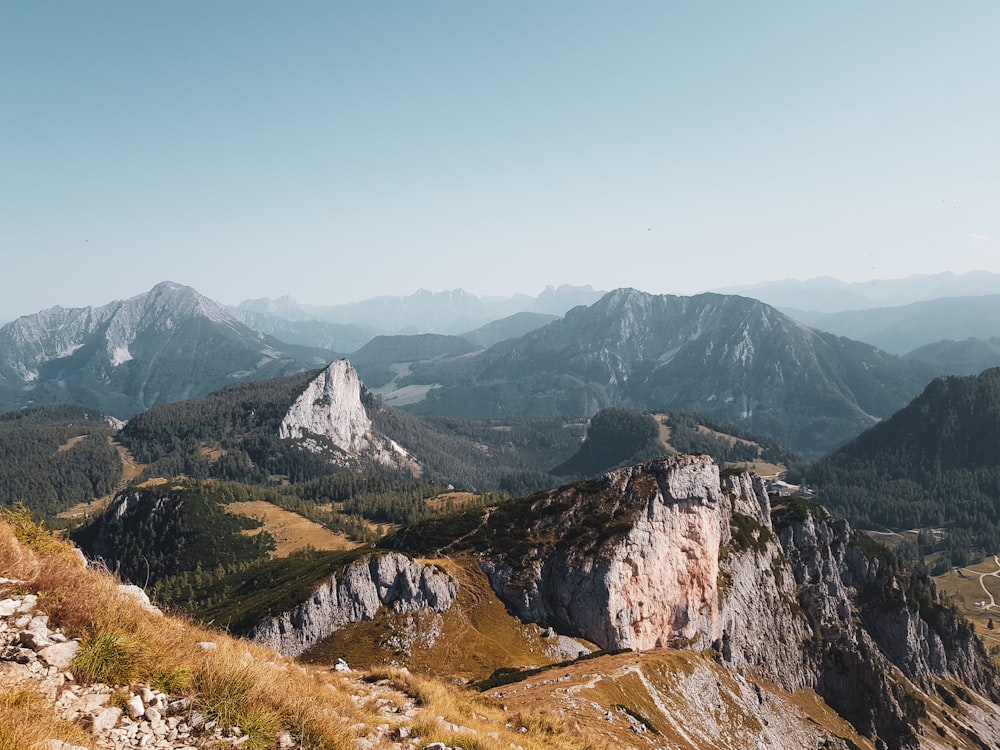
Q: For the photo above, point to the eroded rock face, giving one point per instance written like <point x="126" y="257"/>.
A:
<point x="355" y="594"/>
<point x="656" y="581"/>
<point x="331" y="406"/>
<point x="669" y="553"/>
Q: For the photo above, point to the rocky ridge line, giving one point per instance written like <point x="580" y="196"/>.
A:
<point x="354" y="594"/>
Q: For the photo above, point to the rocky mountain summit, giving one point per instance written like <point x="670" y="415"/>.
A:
<point x="332" y="408"/>
<point x="728" y="357"/>
<point x="668" y="553"/>
<point x="167" y="344"/>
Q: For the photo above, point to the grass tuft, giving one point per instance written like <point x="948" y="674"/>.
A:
<point x="104" y="657"/>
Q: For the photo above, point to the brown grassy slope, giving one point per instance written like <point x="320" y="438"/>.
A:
<point x="237" y="682"/>
<point x="291" y="531"/>
<point x="965" y="591"/>
<point x="677" y="699"/>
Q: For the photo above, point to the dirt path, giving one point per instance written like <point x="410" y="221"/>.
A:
<point x="982" y="584"/>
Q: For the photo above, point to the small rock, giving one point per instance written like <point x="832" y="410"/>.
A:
<point x="139" y="596"/>
<point x="152" y="715"/>
<point x="135" y="707"/>
<point x="60" y="655"/>
<point x="341" y="666"/>
<point x="60" y="745"/>
<point x="105" y="719"/>
<point x="285" y="740"/>
<point x="435" y="746"/>
<point x="9" y="607"/>
<point x="207" y="645"/>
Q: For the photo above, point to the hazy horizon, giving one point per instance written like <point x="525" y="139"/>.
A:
<point x="326" y="303"/>
<point x="337" y="152"/>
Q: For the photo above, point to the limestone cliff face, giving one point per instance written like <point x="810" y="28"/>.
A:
<point x="330" y="406"/>
<point x="356" y="593"/>
<point x="654" y="583"/>
<point x="332" y="410"/>
<point x="669" y="553"/>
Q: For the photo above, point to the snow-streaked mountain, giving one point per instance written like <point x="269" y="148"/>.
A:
<point x="730" y="357"/>
<point x="167" y="344"/>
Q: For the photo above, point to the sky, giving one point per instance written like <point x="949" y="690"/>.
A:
<point x="336" y="151"/>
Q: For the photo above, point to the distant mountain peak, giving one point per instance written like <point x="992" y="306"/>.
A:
<point x="332" y="408"/>
<point x="167" y="343"/>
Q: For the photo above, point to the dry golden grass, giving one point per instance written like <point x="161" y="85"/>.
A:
<point x="237" y="682"/>
<point x="478" y="635"/>
<point x="290" y="530"/>
<point x="25" y="723"/>
<point x="763" y="469"/>
<point x="456" y="499"/>
<point x="664" y="432"/>
<point x="212" y="452"/>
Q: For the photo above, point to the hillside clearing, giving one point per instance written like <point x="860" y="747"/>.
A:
<point x="290" y="530"/>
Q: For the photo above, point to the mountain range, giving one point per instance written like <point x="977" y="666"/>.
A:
<point x="168" y="344"/>
<point x="724" y="594"/>
<point x="728" y="357"/>
<point x="449" y="312"/>
<point x="829" y="295"/>
<point x="904" y="328"/>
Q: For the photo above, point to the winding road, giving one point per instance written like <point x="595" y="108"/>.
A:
<point x="982" y="584"/>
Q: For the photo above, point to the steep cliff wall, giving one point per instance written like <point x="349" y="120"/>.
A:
<point x="669" y="553"/>
<point x="354" y="594"/>
<point x="330" y="406"/>
<point x="647" y="578"/>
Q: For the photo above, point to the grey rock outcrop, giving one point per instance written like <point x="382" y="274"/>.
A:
<point x="331" y="412"/>
<point x="330" y="406"/>
<point x="670" y="553"/>
<point x="354" y="594"/>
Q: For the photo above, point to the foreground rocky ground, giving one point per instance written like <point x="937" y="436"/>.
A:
<point x="35" y="657"/>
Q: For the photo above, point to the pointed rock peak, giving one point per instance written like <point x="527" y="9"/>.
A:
<point x="331" y="407"/>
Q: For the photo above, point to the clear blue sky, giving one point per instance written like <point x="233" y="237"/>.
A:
<point x="336" y="151"/>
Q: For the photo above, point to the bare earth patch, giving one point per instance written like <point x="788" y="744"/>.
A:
<point x="290" y="530"/>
